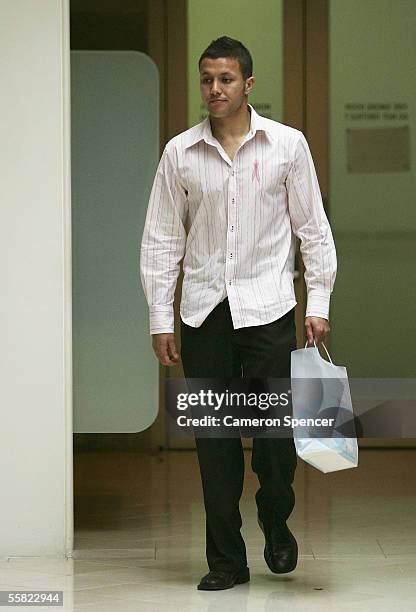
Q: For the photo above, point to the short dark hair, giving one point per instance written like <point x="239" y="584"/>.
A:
<point x="229" y="47"/>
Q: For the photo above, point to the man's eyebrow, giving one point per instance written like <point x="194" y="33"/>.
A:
<point x="222" y="73"/>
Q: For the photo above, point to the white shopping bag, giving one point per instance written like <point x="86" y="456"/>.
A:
<point x="319" y="386"/>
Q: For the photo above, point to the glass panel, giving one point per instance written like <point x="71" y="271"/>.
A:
<point x="115" y="150"/>
<point x="373" y="185"/>
<point x="259" y="29"/>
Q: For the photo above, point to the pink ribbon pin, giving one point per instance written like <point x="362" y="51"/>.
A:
<point x="256" y="172"/>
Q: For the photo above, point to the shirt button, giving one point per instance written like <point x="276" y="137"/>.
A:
<point x="233" y="200"/>
<point x="232" y="228"/>
<point x="230" y="282"/>
<point x="232" y="173"/>
<point x="231" y="255"/>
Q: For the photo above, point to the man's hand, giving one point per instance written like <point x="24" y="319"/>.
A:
<point x="165" y="350"/>
<point x="316" y="329"/>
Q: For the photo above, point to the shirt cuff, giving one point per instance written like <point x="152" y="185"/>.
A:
<point x="318" y="304"/>
<point x="162" y="320"/>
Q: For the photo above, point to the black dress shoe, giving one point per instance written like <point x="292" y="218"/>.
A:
<point x="218" y="580"/>
<point x="281" y="549"/>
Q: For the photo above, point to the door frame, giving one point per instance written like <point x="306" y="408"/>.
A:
<point x="305" y="107"/>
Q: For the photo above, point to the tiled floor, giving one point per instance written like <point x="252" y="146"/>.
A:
<point x="139" y="542"/>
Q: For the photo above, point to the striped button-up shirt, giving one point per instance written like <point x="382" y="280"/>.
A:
<point x="234" y="224"/>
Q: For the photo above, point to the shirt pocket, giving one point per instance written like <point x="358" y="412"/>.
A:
<point x="204" y="174"/>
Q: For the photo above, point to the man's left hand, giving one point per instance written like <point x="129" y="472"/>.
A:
<point x="316" y="329"/>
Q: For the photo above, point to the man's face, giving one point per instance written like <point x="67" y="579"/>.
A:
<point x="223" y="89"/>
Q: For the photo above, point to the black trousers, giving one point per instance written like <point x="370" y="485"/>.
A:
<point x="216" y="349"/>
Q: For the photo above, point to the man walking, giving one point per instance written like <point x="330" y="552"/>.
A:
<point x="247" y="186"/>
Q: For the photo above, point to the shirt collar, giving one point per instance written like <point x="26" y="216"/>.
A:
<point x="257" y="122"/>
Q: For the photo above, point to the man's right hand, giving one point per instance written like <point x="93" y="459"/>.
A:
<point x="165" y="350"/>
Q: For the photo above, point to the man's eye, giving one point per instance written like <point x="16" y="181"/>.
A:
<point x="205" y="80"/>
<point x="227" y="80"/>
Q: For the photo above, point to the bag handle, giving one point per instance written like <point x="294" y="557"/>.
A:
<point x="326" y="350"/>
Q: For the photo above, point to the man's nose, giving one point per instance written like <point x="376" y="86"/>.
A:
<point x="215" y="87"/>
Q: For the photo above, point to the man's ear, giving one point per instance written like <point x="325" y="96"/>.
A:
<point x="249" y="83"/>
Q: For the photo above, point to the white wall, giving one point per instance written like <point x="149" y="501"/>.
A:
<point x="35" y="269"/>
